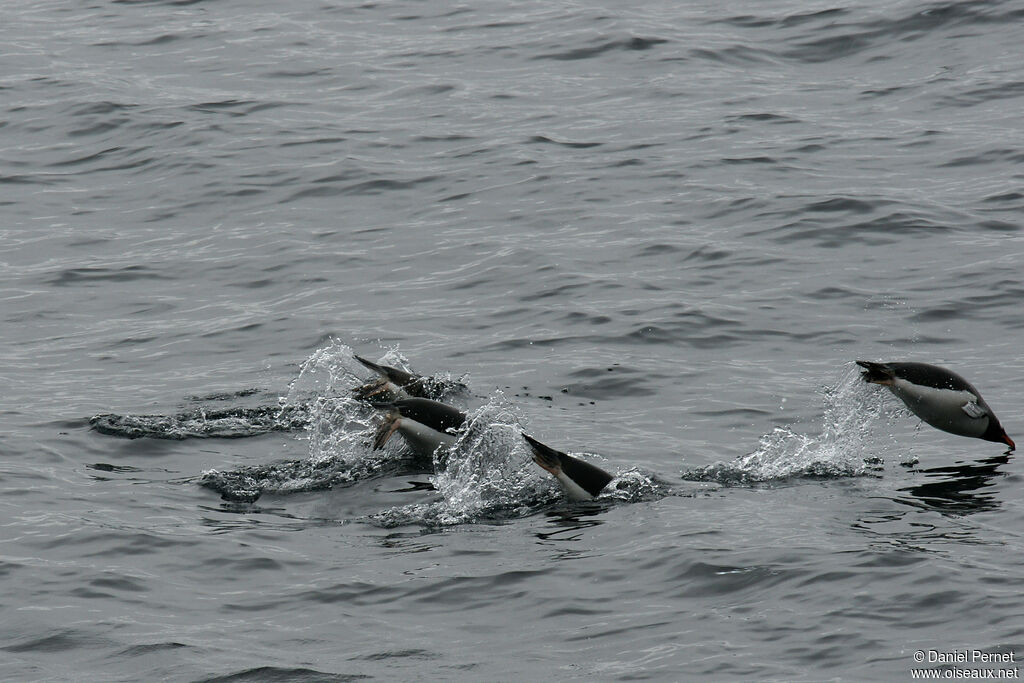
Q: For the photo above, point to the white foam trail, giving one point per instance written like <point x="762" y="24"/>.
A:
<point x="339" y="424"/>
<point x="338" y="429"/>
<point x="850" y="414"/>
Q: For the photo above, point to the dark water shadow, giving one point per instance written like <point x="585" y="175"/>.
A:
<point x="959" y="488"/>
<point x="568" y="519"/>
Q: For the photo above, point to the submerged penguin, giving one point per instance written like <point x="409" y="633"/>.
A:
<point x="942" y="398"/>
<point x="425" y="425"/>
<point x="579" y="479"/>
<point x="393" y="384"/>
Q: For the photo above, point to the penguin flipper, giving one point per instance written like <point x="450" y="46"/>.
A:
<point x="974" y="410"/>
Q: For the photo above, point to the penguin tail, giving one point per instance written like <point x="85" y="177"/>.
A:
<point x="369" y="364"/>
<point x="545" y="456"/>
<point x="399" y="377"/>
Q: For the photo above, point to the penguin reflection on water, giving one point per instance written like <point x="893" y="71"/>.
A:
<point x="942" y="398"/>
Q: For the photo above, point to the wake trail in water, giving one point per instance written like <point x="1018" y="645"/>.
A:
<point x="337" y="425"/>
<point x="488" y="474"/>
<point x="203" y="423"/>
<point x="849" y="417"/>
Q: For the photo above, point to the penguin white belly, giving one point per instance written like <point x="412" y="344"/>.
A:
<point x="573" y="490"/>
<point x="944" y="408"/>
<point x="423" y="439"/>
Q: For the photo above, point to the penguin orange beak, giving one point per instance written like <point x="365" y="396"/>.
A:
<point x="1009" y="442"/>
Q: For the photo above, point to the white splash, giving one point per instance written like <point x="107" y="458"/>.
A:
<point x="487" y="473"/>
<point x="851" y="411"/>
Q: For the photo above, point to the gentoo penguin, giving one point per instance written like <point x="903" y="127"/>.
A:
<point x="391" y="383"/>
<point x="425" y="425"/>
<point x="581" y="480"/>
<point x="943" y="399"/>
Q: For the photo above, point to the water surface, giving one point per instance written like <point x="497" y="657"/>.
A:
<point x="655" y="236"/>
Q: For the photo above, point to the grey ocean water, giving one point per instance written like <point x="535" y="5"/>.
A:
<point x="654" y="233"/>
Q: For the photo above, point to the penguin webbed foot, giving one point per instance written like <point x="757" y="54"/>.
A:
<point x="580" y="480"/>
<point x="875" y="373"/>
<point x="377" y="389"/>
<point x="388" y="427"/>
<point x="545" y="456"/>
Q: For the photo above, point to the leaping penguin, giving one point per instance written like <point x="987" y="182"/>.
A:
<point x="942" y="398"/>
<point x="580" y="480"/>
